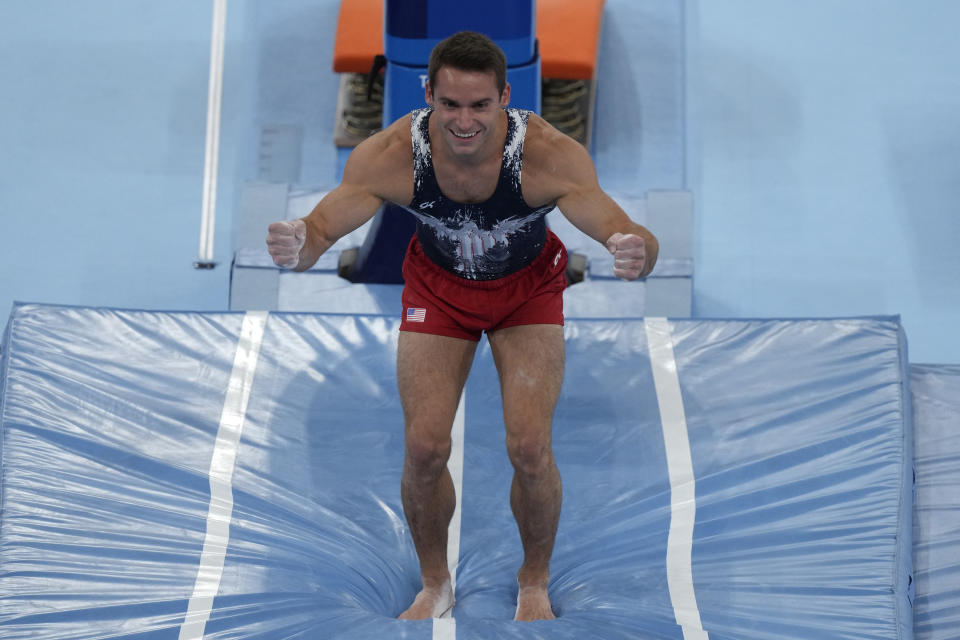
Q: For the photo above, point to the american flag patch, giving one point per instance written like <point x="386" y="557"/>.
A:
<point x="415" y="314"/>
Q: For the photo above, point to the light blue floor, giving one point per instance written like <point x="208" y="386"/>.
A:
<point x="816" y="140"/>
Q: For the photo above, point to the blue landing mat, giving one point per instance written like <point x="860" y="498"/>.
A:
<point x="187" y="475"/>
<point x="936" y="405"/>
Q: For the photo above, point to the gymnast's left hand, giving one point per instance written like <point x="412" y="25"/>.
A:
<point x="629" y="255"/>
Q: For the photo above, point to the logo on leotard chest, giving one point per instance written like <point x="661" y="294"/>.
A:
<point x="474" y="249"/>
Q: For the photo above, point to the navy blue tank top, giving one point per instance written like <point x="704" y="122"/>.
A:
<point x="481" y="241"/>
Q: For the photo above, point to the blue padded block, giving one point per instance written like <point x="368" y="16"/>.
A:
<point x="797" y="435"/>
<point x="413" y="27"/>
<point x="801" y="439"/>
<point x="936" y="406"/>
<point x="404" y="87"/>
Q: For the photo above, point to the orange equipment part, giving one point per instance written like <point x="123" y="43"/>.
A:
<point x="568" y="32"/>
<point x="359" y="35"/>
<point x="569" y="35"/>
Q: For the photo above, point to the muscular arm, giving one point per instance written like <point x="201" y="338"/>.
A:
<point x="564" y="173"/>
<point x="341" y="211"/>
<point x="380" y="168"/>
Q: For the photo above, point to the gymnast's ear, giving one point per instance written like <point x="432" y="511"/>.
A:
<point x="428" y="93"/>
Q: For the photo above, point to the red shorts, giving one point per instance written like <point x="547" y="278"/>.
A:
<point x="438" y="302"/>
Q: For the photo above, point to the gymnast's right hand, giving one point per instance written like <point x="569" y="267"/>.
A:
<point x="284" y="241"/>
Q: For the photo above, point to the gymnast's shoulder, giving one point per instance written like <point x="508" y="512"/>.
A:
<point x="385" y="159"/>
<point x="553" y="163"/>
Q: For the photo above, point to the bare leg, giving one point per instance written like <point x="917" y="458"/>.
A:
<point x="431" y="372"/>
<point x="529" y="360"/>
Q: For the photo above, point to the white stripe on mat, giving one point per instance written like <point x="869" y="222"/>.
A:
<point x="683" y="505"/>
<point x="224" y="457"/>
<point x="445" y="628"/>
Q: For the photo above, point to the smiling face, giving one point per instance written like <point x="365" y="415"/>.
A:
<point x="468" y="110"/>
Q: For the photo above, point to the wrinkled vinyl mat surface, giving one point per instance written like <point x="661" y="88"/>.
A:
<point x="936" y="522"/>
<point x="218" y="475"/>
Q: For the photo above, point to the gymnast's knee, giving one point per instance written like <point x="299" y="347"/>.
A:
<point x="426" y="454"/>
<point x="530" y="455"/>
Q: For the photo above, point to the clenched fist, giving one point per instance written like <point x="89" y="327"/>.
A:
<point x="629" y="255"/>
<point x="284" y="241"/>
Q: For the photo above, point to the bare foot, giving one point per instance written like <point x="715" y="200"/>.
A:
<point x="431" y="602"/>
<point x="533" y="603"/>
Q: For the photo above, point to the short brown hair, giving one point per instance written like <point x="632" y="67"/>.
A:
<point x="469" y="51"/>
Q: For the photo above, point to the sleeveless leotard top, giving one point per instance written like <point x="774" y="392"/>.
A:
<point x="484" y="240"/>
